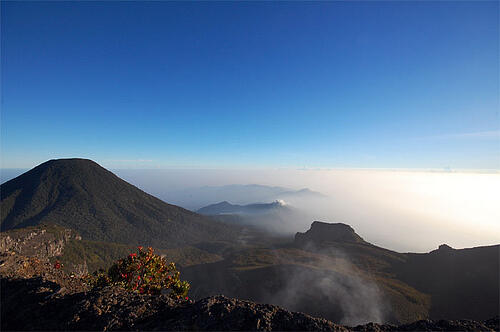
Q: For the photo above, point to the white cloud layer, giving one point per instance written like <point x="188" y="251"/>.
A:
<point x="400" y="210"/>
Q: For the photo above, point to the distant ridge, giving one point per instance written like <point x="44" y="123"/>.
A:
<point x="228" y="208"/>
<point x="82" y="195"/>
<point x="243" y="194"/>
<point x="278" y="217"/>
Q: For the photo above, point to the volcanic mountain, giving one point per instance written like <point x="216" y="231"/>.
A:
<point x="81" y="195"/>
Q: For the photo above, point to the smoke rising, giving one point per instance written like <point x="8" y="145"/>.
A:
<point x="338" y="292"/>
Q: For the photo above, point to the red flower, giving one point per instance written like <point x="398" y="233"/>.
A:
<point x="187" y="298"/>
<point x="57" y="265"/>
<point x="132" y="255"/>
<point x="140" y="248"/>
<point x="138" y="277"/>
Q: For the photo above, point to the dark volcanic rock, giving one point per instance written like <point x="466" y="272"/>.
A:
<point x="37" y="296"/>
<point x="445" y="325"/>
<point x="113" y="308"/>
<point x="51" y="300"/>
<point x="321" y="232"/>
<point x="431" y="325"/>
<point x="493" y="323"/>
<point x="222" y="313"/>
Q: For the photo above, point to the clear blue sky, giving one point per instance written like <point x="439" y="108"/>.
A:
<point x="251" y="84"/>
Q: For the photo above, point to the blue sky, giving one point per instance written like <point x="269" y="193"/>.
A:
<point x="251" y="84"/>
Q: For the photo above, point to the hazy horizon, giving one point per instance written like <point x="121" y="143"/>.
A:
<point x="459" y="209"/>
<point x="406" y="211"/>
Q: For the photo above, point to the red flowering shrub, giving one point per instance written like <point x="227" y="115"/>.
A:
<point x="143" y="272"/>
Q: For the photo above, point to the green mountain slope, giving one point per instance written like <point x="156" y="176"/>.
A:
<point x="81" y="195"/>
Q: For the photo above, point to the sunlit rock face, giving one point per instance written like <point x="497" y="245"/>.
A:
<point x="321" y="232"/>
<point x="37" y="242"/>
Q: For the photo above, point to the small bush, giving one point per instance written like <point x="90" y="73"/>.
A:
<point x="142" y="272"/>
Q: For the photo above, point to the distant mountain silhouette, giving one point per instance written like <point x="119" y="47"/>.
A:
<point x="256" y="208"/>
<point x="305" y="192"/>
<point x="81" y="195"/>
<point x="277" y="217"/>
<point x="196" y="198"/>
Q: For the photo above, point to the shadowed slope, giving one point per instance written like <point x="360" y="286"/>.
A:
<point x="81" y="195"/>
<point x="464" y="283"/>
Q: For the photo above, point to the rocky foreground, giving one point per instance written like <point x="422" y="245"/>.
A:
<point x="37" y="296"/>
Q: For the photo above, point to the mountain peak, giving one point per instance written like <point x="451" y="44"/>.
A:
<point x="57" y="168"/>
<point x="68" y="162"/>
<point x="322" y="232"/>
<point x="81" y="195"/>
<point x="223" y="203"/>
<point x="443" y="249"/>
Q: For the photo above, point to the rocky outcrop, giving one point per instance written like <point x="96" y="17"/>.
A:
<point x="38" y="296"/>
<point x="443" y="249"/>
<point x="113" y="308"/>
<point x="54" y="301"/>
<point x="41" y="244"/>
<point x="323" y="233"/>
<point x="36" y="241"/>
